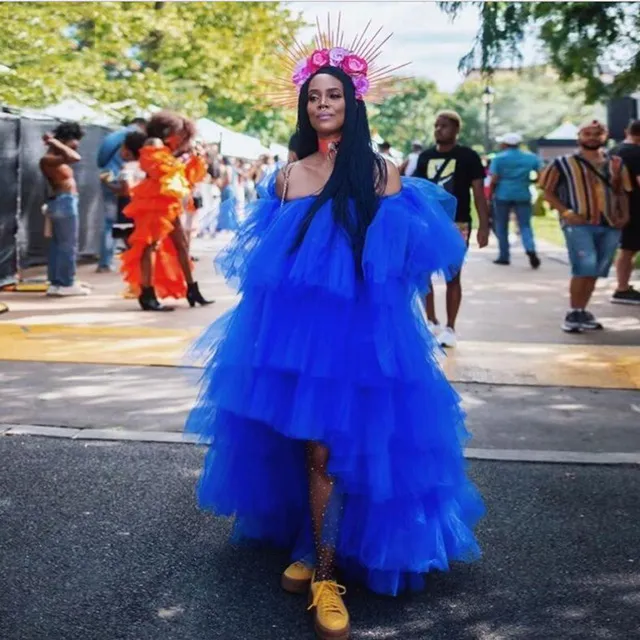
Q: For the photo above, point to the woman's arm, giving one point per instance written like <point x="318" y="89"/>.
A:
<point x="394" y="183"/>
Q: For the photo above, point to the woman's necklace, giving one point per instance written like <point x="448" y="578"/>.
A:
<point x="328" y="147"/>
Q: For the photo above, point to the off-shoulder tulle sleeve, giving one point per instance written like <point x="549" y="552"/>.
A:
<point x="413" y="236"/>
<point x="232" y="262"/>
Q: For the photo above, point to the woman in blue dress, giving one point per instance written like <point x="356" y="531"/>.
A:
<point x="333" y="430"/>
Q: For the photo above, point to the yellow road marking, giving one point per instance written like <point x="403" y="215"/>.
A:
<point x="596" y="366"/>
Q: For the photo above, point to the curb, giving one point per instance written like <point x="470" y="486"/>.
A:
<point x="495" y="455"/>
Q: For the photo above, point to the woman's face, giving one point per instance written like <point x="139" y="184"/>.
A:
<point x="326" y="104"/>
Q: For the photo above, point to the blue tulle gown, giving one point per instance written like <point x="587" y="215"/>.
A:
<point x="315" y="351"/>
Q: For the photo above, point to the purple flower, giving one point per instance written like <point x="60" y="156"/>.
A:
<point x="361" y="85"/>
<point x="337" y="55"/>
<point x="301" y="73"/>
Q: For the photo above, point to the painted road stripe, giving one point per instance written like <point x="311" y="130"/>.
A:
<point x="586" y="366"/>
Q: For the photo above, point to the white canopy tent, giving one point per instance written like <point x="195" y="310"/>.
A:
<point x="209" y="131"/>
<point x="232" y="143"/>
<point x="279" y="150"/>
<point x="79" y="111"/>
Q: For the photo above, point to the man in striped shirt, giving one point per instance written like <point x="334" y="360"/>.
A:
<point x="590" y="190"/>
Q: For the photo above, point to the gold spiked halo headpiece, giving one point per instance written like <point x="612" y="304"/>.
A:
<point x="329" y="49"/>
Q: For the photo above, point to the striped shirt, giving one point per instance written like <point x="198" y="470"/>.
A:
<point x="580" y="189"/>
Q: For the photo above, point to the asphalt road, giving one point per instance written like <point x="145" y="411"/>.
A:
<point x="103" y="541"/>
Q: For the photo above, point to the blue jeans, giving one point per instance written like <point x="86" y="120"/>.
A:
<point x="591" y="249"/>
<point x="501" y="211"/>
<point x="107" y="245"/>
<point x="63" y="246"/>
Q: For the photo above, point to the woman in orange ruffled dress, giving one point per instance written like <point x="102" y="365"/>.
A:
<point x="157" y="263"/>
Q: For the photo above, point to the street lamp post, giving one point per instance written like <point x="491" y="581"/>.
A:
<point x="488" y="96"/>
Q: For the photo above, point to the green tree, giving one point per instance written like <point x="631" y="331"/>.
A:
<point x="410" y="113"/>
<point x="531" y="101"/>
<point x="597" y="42"/>
<point x="169" y="54"/>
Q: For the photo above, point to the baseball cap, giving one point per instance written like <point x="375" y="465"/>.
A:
<point x="511" y="139"/>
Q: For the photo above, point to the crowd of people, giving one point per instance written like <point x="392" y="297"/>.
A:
<point x="595" y="192"/>
<point x="590" y="190"/>
<point x="160" y="187"/>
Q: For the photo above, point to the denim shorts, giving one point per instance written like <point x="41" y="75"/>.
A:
<point x="591" y="249"/>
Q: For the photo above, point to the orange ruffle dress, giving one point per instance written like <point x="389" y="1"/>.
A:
<point x="155" y="205"/>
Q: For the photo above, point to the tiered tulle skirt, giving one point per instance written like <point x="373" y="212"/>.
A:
<point x="314" y="352"/>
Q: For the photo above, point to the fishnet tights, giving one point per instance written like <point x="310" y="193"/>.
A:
<point x="320" y="489"/>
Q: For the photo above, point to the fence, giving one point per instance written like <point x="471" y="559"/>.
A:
<point x="23" y="190"/>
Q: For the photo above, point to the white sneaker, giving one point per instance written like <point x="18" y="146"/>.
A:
<point x="73" y="290"/>
<point x="447" y="338"/>
<point x="53" y="290"/>
<point x="434" y="328"/>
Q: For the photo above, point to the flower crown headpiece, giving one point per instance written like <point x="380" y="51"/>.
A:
<point x="358" y="61"/>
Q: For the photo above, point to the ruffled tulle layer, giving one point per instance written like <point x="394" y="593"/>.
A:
<point x="156" y="204"/>
<point x="312" y="352"/>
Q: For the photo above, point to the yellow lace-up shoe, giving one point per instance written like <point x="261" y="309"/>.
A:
<point x="331" y="618"/>
<point x="297" y="578"/>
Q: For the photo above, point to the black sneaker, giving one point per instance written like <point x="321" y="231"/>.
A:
<point x="534" y="261"/>
<point x="501" y="261"/>
<point x="573" y="322"/>
<point x="630" y="296"/>
<point x="588" y="321"/>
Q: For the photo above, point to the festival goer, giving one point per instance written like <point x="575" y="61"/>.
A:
<point x="458" y="169"/>
<point x="511" y="172"/>
<point x="62" y="208"/>
<point x="110" y="164"/>
<point x="590" y="190"/>
<point x="335" y="433"/>
<point x="157" y="262"/>
<point x="408" y="167"/>
<point x="629" y="151"/>
<point x="129" y="176"/>
<point x="228" y="217"/>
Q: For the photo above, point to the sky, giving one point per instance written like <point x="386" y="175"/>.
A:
<point x="423" y="34"/>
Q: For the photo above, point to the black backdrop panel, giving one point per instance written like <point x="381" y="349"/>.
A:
<point x="88" y="178"/>
<point x="33" y="191"/>
<point x="9" y="128"/>
<point x="619" y="112"/>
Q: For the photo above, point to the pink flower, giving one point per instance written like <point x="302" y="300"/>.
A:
<point x="337" y="55"/>
<point x="355" y="65"/>
<point x="301" y="73"/>
<point x="361" y="85"/>
<point x="319" y="58"/>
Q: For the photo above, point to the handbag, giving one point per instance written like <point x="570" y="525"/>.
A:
<point x="617" y="214"/>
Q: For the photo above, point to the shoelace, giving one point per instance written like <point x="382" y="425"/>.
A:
<point x="328" y="593"/>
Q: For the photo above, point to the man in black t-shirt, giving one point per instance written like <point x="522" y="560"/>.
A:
<point x="629" y="151"/>
<point x="459" y="171"/>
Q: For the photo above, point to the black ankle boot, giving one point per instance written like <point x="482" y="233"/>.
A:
<point x="534" y="261"/>
<point x="194" y="296"/>
<point x="149" y="302"/>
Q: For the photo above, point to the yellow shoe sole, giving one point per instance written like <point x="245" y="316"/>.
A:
<point x="298" y="587"/>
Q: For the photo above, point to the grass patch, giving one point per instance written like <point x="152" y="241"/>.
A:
<point x="547" y="228"/>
